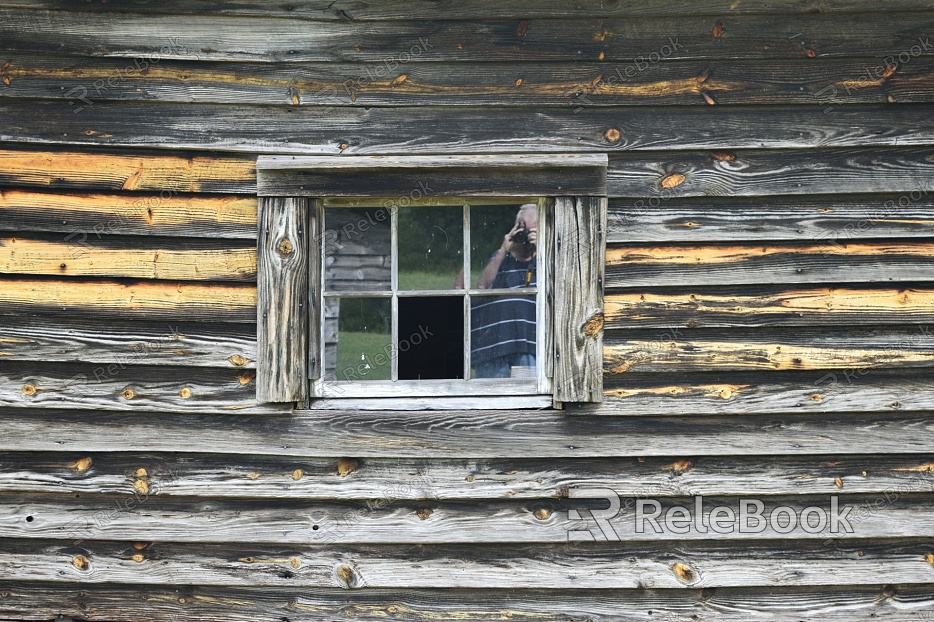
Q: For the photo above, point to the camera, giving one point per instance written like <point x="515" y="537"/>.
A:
<point x="521" y="236"/>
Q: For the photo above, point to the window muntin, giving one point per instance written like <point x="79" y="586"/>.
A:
<point x="416" y="271"/>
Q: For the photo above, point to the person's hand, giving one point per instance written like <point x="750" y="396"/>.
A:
<point x="508" y="245"/>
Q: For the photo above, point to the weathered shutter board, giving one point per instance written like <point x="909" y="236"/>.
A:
<point x="282" y="288"/>
<point x="580" y="247"/>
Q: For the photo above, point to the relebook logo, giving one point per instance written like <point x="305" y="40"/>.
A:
<point x="745" y="516"/>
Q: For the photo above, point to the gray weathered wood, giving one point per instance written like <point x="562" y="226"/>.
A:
<point x="420" y="177"/>
<point x="282" y="293"/>
<point x="580" y="247"/>
<point x="226" y="474"/>
<point x="568" y="566"/>
<point x="315" y="301"/>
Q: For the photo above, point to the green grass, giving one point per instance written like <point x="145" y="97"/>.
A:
<point x="426" y="280"/>
<point x="350" y="347"/>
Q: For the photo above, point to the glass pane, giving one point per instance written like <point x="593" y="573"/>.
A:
<point x="431" y="337"/>
<point x="502" y="336"/>
<point x="503" y="245"/>
<point x="357" y="249"/>
<point x="431" y="247"/>
<point x="363" y="328"/>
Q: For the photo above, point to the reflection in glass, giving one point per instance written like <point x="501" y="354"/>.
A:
<point x="357" y="249"/>
<point x="503" y="245"/>
<point x="502" y="336"/>
<point x="431" y="337"/>
<point x="364" y="339"/>
<point x="431" y="247"/>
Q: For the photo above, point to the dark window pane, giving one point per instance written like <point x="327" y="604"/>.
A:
<point x="431" y="338"/>
<point x="364" y="339"/>
<point x="502" y="336"/>
<point x="431" y="246"/>
<point x="357" y="249"/>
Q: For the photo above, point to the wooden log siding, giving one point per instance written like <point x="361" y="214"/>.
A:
<point x="768" y="297"/>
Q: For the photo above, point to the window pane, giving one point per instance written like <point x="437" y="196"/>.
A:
<point x="364" y="339"/>
<point x="431" y="337"/>
<point x="431" y="247"/>
<point x="496" y="262"/>
<point x="357" y="249"/>
<point x="502" y="336"/>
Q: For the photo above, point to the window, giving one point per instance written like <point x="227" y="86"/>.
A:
<point x="431" y="277"/>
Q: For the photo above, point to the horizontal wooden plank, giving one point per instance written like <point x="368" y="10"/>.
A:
<point x="826" y="220"/>
<point x="231" y="346"/>
<point x="814" y="262"/>
<point x="95" y="215"/>
<point x="466" y="434"/>
<point x="862" y="387"/>
<point x="168" y="301"/>
<point x="328" y="130"/>
<point x="242" y="604"/>
<point x="568" y="566"/>
<point x="83" y="82"/>
<point x="150" y="518"/>
<point x="209" y="37"/>
<point x="128" y="385"/>
<point x="663" y="176"/>
<point x="150" y="172"/>
<point x="822" y="349"/>
<point x="84" y="255"/>
<point x="229" y="475"/>
<point x="752" y="307"/>
<point x="431" y="10"/>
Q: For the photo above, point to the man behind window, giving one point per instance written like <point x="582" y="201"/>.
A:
<point x="503" y="327"/>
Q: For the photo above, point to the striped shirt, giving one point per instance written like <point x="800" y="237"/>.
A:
<point x="504" y="325"/>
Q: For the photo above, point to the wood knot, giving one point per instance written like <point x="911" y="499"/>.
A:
<point x="594" y="325"/>
<point x="285" y="246"/>
<point x="423" y="513"/>
<point x="128" y="394"/>
<point x="141" y="472"/>
<point x="141" y="486"/>
<point x="237" y="360"/>
<point x="81" y="464"/>
<point x="681" y="466"/>
<point x="295" y="562"/>
<point x="929" y="558"/>
<point x="673" y="181"/>
<point x="889" y="591"/>
<point x="30" y="389"/>
<point x="838" y="481"/>
<point x="612" y="135"/>
<point x="717" y="30"/>
<point x="723" y="156"/>
<point x="399" y="80"/>
<point x="685" y="573"/>
<point x="811" y="53"/>
<point x="346" y="466"/>
<point x="80" y="562"/>
<point x="138" y="557"/>
<point x="252" y="475"/>
<point x="139" y="546"/>
<point x="297" y="474"/>
<point x="542" y="513"/>
<point x="346" y="574"/>
<point x="246" y="377"/>
<point x="185" y="393"/>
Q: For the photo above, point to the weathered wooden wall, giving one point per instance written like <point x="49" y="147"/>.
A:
<point x="768" y="302"/>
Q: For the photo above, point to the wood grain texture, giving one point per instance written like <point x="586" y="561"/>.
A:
<point x="142" y="300"/>
<point x="754" y="172"/>
<point x="242" y="604"/>
<point x="567" y="566"/>
<point x="207" y="37"/>
<point x="128" y="385"/>
<point x="826" y="220"/>
<point x="95" y="215"/>
<point x="754" y="307"/>
<point x="430" y="522"/>
<point x="327" y="130"/>
<point x="327" y="10"/>
<point x="231" y="346"/>
<point x="829" y="84"/>
<point x="282" y="300"/>
<point x="86" y="255"/>
<point x="468" y="434"/>
<point x="129" y="171"/>
<point x="580" y="248"/>
<point x="830" y="261"/>
<point x="225" y="474"/>
<point x="418" y="177"/>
